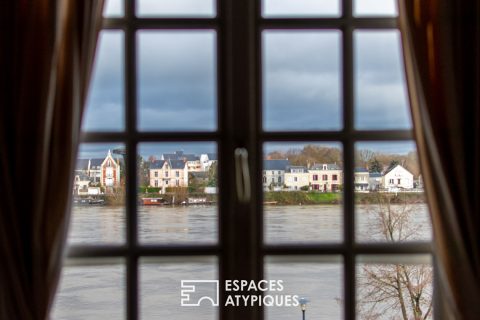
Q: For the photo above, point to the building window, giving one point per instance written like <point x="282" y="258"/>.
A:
<point x="156" y="174"/>
<point x="335" y="177"/>
<point x="295" y="179"/>
<point x="324" y="177"/>
<point x="156" y="183"/>
<point x="315" y="177"/>
<point x="166" y="174"/>
<point x="177" y="174"/>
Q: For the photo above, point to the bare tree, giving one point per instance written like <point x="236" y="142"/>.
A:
<point x="394" y="291"/>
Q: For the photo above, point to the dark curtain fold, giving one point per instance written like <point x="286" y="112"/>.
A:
<point x="442" y="51"/>
<point x="47" y="53"/>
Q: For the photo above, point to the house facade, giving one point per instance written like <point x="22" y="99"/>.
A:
<point x="104" y="172"/>
<point x="361" y="180"/>
<point x="375" y="181"/>
<point x="110" y="172"/>
<point x="207" y="160"/>
<point x="273" y="174"/>
<point x="327" y="177"/>
<point x="296" y="177"/>
<point x="397" y="179"/>
<point x="168" y="173"/>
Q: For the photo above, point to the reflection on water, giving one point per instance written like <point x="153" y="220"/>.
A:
<point x="91" y="292"/>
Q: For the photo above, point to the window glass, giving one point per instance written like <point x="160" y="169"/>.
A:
<point x="177" y="80"/>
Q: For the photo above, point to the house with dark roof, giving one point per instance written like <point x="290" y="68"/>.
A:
<point x="374" y="181"/>
<point x="164" y="174"/>
<point x="193" y="161"/>
<point x="274" y="173"/>
<point x="325" y="177"/>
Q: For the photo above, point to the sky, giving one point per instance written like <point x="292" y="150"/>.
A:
<point x="302" y="74"/>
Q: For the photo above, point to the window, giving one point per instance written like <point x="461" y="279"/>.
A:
<point x="251" y="98"/>
<point x="156" y="174"/>
<point x="295" y="179"/>
<point x="177" y="174"/>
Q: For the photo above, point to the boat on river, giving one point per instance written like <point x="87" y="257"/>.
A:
<point x="154" y="201"/>
<point x="90" y="201"/>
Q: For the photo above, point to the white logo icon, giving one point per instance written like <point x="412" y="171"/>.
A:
<point x="195" y="291"/>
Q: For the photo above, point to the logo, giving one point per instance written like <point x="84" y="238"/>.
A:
<point x="239" y="293"/>
<point x="193" y="292"/>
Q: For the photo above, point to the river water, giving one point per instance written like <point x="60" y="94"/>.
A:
<point x="97" y="291"/>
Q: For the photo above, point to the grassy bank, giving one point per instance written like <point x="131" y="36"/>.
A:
<point x="305" y="198"/>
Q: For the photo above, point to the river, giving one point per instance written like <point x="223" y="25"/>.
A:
<point x="95" y="292"/>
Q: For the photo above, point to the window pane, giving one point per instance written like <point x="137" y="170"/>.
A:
<point x="302" y="8"/>
<point x="380" y="91"/>
<point x="176" y="8"/>
<point x="301" y="80"/>
<point x="178" y="192"/>
<point x="390" y="202"/>
<point x="388" y="284"/>
<point x="91" y="292"/>
<point x="113" y="9"/>
<point x="161" y="285"/>
<point x="303" y="186"/>
<point x="98" y="208"/>
<point x="375" y="8"/>
<point x="177" y="80"/>
<point x="318" y="279"/>
<point x="105" y="102"/>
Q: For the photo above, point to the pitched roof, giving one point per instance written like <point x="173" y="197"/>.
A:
<point x="302" y="168"/>
<point x="176" y="164"/>
<point x="157" y="164"/>
<point x="212" y="156"/>
<point x="96" y="162"/>
<point x="375" y="174"/>
<point x="330" y="166"/>
<point x="179" y="155"/>
<point x="398" y="165"/>
<point x="82" y="164"/>
<point x="275" y="164"/>
<point x="361" y="169"/>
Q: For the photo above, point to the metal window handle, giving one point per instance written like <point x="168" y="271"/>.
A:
<point x="242" y="175"/>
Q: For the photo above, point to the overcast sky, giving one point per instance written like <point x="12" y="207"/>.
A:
<point x="302" y="82"/>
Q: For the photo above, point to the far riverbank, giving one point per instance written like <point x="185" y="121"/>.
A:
<point x="285" y="198"/>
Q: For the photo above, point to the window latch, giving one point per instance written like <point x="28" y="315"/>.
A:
<point x="242" y="175"/>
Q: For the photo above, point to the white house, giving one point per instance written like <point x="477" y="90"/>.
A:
<point x="361" y="179"/>
<point x="327" y="177"/>
<point x="207" y="160"/>
<point x="397" y="179"/>
<point x="274" y="173"/>
<point x="296" y="177"/>
<point x="168" y="173"/>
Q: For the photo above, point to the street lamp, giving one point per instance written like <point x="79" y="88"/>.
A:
<point x="303" y="306"/>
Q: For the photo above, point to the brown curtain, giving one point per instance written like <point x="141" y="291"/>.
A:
<point x="47" y="49"/>
<point x="441" y="41"/>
